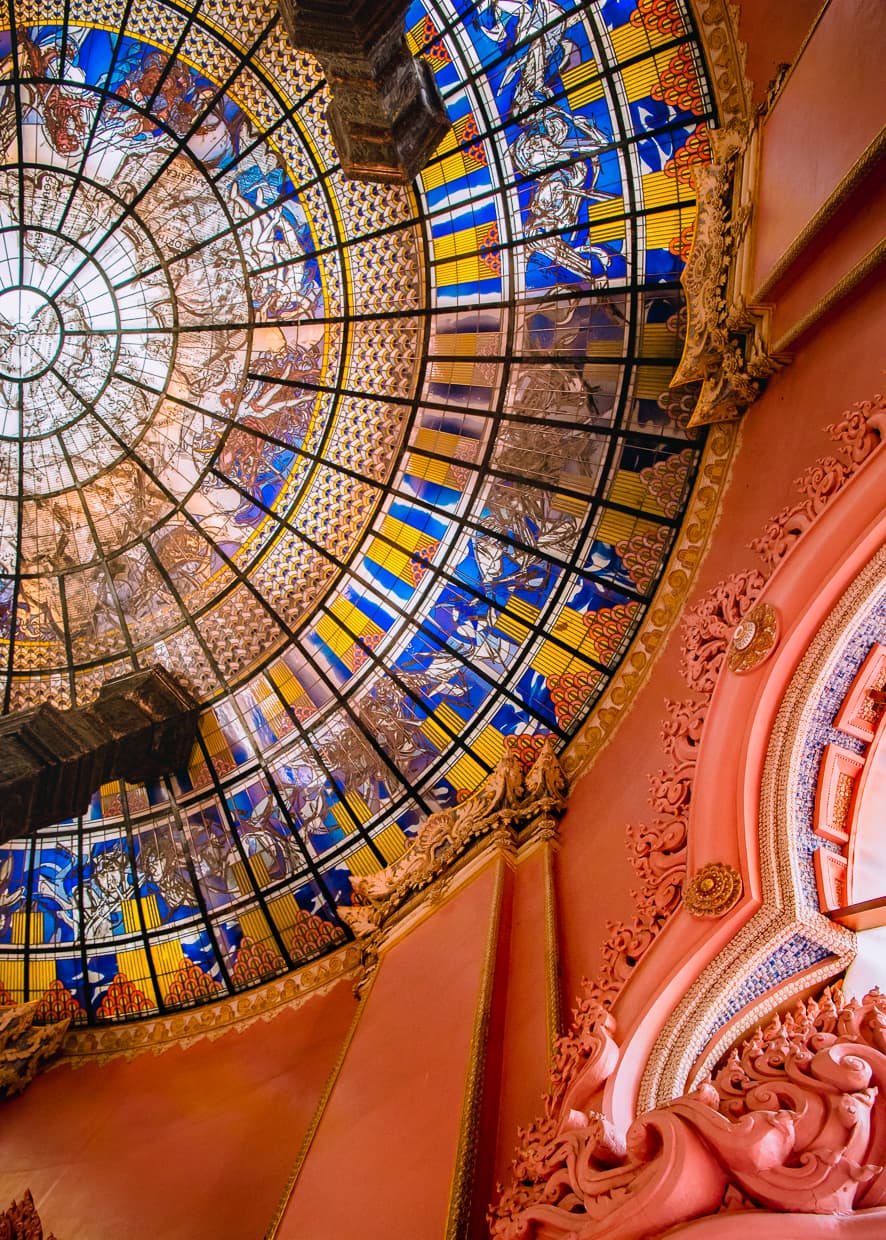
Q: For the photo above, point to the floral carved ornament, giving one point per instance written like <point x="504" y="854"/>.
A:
<point x="795" y="1120"/>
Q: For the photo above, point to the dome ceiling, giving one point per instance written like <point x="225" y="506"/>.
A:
<point x="386" y="477"/>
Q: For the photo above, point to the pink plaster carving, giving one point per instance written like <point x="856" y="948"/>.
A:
<point x="861" y="712"/>
<point x="657" y="853"/>
<point x="859" y="432"/>
<point x="861" y="429"/>
<point x="819" y="484"/>
<point x="708" y="627"/>
<point x="860" y="1225"/>
<point x="549" y="1163"/>
<point x="793" y="1122"/>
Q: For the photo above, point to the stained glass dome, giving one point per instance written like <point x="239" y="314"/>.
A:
<point x="387" y="477"/>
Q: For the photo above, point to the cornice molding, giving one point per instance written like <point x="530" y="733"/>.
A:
<point x="857" y="174"/>
<point x="507" y="814"/>
<point x="717" y="24"/>
<point x="100" y="1044"/>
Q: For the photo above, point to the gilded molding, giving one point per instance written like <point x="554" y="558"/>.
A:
<point x="844" y="286"/>
<point x="503" y="806"/>
<point x="458" y="1221"/>
<point x="860" y="170"/>
<point x="100" y="1044"/>
<point x="754" y="639"/>
<point x="25" y="1048"/>
<point x="724" y="349"/>
<point x="553" y="999"/>
<point x="717" y="23"/>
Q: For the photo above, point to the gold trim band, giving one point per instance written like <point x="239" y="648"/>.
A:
<point x="841" y="289"/>
<point x="458" y="1221"/>
<point x="553" y="1004"/>
<point x="100" y="1044"/>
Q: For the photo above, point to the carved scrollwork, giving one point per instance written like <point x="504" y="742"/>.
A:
<point x="658" y="853"/>
<point x="858" y="433"/>
<point x="723" y="349"/>
<point x="505" y="804"/>
<point x="21" y="1221"/>
<point x="794" y="1121"/>
<point x="709" y="627"/>
<point x="25" y="1048"/>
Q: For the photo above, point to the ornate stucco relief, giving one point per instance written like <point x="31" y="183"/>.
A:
<point x="792" y="1121"/>
<point x="577" y="1075"/>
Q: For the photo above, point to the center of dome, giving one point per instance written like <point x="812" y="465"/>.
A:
<point x="30" y="333"/>
<point x="181" y="388"/>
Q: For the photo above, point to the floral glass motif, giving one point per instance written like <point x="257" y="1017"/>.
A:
<point x="388" y="477"/>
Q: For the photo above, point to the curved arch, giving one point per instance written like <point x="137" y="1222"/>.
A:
<point x="693" y="963"/>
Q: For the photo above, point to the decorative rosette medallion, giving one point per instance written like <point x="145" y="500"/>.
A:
<point x="713" y="890"/>
<point x="754" y="638"/>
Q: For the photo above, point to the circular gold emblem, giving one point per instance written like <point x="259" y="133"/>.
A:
<point x="713" y="890"/>
<point x="754" y="639"/>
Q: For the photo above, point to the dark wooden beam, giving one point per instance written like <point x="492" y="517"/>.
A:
<point x="386" y="116"/>
<point x="139" y="727"/>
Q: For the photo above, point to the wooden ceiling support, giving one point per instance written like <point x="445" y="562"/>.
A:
<point x="139" y="727"/>
<point x="386" y="116"/>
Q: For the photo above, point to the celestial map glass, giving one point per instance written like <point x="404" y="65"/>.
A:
<point x="388" y="477"/>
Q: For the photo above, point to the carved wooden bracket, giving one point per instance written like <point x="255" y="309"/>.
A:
<point x="386" y="116"/>
<point x="139" y="727"/>
<point x="21" y="1221"/>
<point x="725" y="347"/>
<point x="507" y="806"/>
<point x="25" y="1048"/>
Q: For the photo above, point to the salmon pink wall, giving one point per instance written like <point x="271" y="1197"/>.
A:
<point x="855" y="230"/>
<point x="829" y="111"/>
<point x="525" y="1046"/>
<point x="185" y="1145"/>
<point x="773" y="35"/>
<point x="382" y="1161"/>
